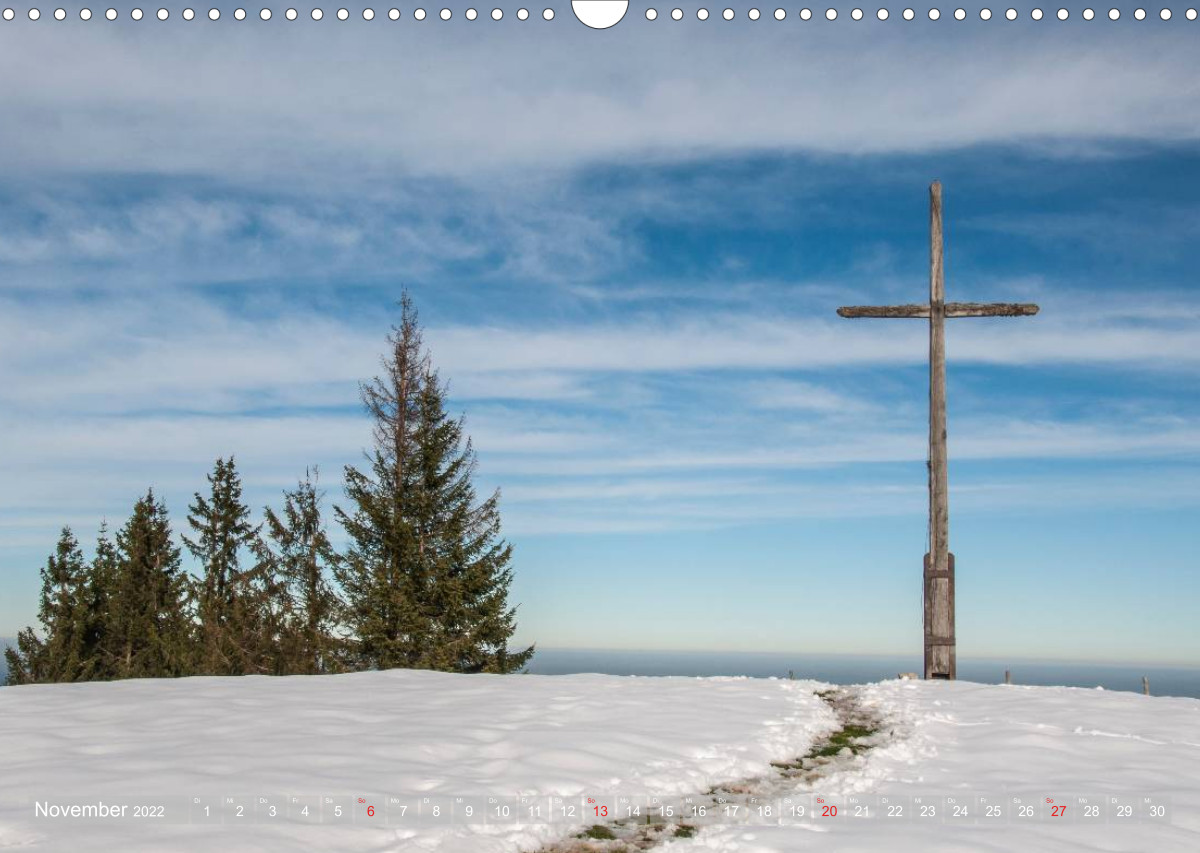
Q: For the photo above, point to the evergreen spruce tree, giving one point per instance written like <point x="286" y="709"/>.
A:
<point x="27" y="662"/>
<point x="59" y="656"/>
<point x="425" y="577"/>
<point x="62" y="611"/>
<point x="306" y="607"/>
<point x="380" y="573"/>
<point x="458" y="539"/>
<point x="64" y="590"/>
<point x="229" y="602"/>
<point x="150" y="637"/>
<point x="99" y="656"/>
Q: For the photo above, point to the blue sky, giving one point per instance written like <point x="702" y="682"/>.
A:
<point x="628" y="249"/>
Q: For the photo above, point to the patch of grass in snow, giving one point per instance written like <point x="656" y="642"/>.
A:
<point x="685" y="830"/>
<point x="598" y="832"/>
<point x="845" y="739"/>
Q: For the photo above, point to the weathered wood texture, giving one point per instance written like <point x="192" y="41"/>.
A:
<point x="953" y="309"/>
<point x="990" y="309"/>
<point x="941" y="660"/>
<point x="939" y="619"/>
<point x="915" y="311"/>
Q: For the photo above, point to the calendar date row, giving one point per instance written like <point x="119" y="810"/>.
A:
<point x="428" y="810"/>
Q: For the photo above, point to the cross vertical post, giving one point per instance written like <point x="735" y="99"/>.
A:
<point x="939" y="573"/>
<point x="938" y="590"/>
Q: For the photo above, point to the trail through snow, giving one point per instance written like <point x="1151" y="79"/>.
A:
<point x="432" y="734"/>
<point x="1031" y="741"/>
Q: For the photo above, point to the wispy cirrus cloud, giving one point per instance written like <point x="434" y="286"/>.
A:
<point x="67" y="234"/>
<point x="682" y="413"/>
<point x="758" y="342"/>
<point x="182" y="352"/>
<point x="805" y="396"/>
<point x="187" y="104"/>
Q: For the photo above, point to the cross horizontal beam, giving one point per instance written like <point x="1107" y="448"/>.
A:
<point x="953" y="309"/>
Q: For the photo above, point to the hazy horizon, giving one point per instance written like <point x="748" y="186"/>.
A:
<point x="1165" y="679"/>
<point x="813" y="655"/>
<point x="883" y="655"/>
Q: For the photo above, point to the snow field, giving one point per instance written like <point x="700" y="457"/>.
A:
<point x="394" y="732"/>
<point x="991" y="739"/>
<point x="423" y="733"/>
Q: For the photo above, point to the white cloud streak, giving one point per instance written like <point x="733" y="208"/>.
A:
<point x="180" y="352"/>
<point x="591" y="427"/>
<point x="393" y="98"/>
<point x="801" y="343"/>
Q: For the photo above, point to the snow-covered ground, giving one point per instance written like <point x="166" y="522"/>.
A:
<point x="415" y="734"/>
<point x="1033" y="742"/>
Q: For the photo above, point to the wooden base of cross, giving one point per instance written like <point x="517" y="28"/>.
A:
<point x="941" y="658"/>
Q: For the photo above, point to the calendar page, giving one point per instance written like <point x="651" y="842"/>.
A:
<point x="599" y="427"/>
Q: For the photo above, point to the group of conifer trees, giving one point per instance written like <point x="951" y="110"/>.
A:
<point x="423" y="582"/>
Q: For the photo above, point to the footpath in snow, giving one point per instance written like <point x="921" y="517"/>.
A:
<point x="371" y="734"/>
<point x="415" y="734"/>
<point x="965" y="740"/>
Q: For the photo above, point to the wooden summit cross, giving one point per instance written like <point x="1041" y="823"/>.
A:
<point x="940" y="659"/>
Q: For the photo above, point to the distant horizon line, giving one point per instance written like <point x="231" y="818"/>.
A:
<point x="916" y="654"/>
